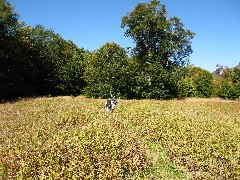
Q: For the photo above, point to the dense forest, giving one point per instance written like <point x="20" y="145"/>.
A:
<point x="38" y="62"/>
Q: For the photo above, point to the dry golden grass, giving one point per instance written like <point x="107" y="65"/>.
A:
<point x="73" y="137"/>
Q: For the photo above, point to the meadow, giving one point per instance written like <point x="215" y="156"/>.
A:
<point x="74" y="138"/>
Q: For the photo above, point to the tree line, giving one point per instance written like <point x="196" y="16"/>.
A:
<point x="37" y="62"/>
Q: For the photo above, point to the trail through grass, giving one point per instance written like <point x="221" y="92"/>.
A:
<point x="73" y="137"/>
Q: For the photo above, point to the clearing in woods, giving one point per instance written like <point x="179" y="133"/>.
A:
<point x="73" y="137"/>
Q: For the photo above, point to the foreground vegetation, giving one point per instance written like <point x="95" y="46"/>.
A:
<point x="73" y="137"/>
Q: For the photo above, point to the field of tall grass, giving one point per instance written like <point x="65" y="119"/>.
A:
<point x="74" y="138"/>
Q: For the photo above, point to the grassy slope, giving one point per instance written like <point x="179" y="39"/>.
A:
<point x="75" y="138"/>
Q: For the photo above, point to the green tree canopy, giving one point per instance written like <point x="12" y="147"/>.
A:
<point x="8" y="21"/>
<point x="108" y="72"/>
<point x="157" y="37"/>
<point x="202" y="80"/>
<point x="36" y="61"/>
<point x="227" y="82"/>
<point x="9" y="48"/>
<point x="58" y="64"/>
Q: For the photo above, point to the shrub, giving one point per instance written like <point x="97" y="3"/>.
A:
<point x="109" y="71"/>
<point x="195" y="82"/>
<point x="227" y="82"/>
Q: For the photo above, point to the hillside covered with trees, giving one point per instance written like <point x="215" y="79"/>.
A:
<point x="38" y="62"/>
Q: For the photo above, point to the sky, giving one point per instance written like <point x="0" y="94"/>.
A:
<point x="92" y="23"/>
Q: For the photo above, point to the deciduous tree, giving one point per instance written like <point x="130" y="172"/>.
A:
<point x="157" y="37"/>
<point x="108" y="72"/>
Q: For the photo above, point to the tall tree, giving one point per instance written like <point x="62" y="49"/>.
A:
<point x="57" y="64"/>
<point x="8" y="23"/>
<point x="108" y="72"/>
<point x="157" y="37"/>
<point x="36" y="61"/>
<point x="9" y="48"/>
